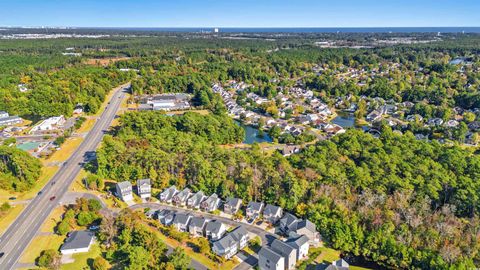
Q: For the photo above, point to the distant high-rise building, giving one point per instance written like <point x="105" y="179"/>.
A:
<point x="215" y="30"/>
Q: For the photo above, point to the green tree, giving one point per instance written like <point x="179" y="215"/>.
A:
<point x="49" y="259"/>
<point x="99" y="263"/>
<point x="179" y="259"/>
<point x="138" y="258"/>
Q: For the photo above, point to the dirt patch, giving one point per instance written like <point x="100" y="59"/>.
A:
<point x="104" y="61"/>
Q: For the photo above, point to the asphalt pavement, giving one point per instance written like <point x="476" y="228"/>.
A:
<point x="22" y="231"/>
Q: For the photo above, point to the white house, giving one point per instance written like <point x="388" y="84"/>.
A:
<point x="77" y="242"/>
<point x="51" y="123"/>
<point x="144" y="188"/>
<point x="301" y="246"/>
<point x="270" y="260"/>
<point x="124" y="190"/>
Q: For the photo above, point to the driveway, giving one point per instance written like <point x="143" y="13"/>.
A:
<point x="266" y="237"/>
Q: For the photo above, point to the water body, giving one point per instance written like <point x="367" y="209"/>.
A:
<point x="307" y="29"/>
<point x="347" y="120"/>
<point x="344" y="120"/>
<point x="251" y="134"/>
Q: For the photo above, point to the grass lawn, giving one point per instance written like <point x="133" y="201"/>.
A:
<point x="328" y="255"/>
<point x="78" y="186"/>
<point x="66" y="150"/>
<point x="202" y="112"/>
<point x="87" y="125"/>
<point x="11" y="215"/>
<point x="52" y="220"/>
<point x="82" y="260"/>
<point x="195" y="255"/>
<point x="39" y="244"/>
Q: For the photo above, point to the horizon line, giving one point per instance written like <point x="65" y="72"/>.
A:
<point x="229" y="27"/>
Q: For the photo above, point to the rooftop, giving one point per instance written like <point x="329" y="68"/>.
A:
<point x="78" y="239"/>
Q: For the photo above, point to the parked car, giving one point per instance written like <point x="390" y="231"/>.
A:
<point x="94" y="228"/>
<point x="12" y="198"/>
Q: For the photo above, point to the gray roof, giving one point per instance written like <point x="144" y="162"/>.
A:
<point x="169" y="192"/>
<point x="141" y="182"/>
<point x="233" y="202"/>
<point x="124" y="184"/>
<point x="306" y="224"/>
<point x="271" y="209"/>
<point x="297" y="242"/>
<point x="212" y="199"/>
<point x="164" y="212"/>
<point x="214" y="226"/>
<point x="225" y="242"/>
<point x="238" y="233"/>
<point x="282" y="247"/>
<point x="340" y="263"/>
<point x="78" y="239"/>
<point x="182" y="218"/>
<point x="183" y="194"/>
<point x="198" y="222"/>
<point x="270" y="254"/>
<point x="256" y="206"/>
<point x="197" y="198"/>
<point x="288" y="219"/>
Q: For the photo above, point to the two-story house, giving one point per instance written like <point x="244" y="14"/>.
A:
<point x="181" y="197"/>
<point x="196" y="199"/>
<point x="197" y="226"/>
<point x="287" y="251"/>
<point x="144" y="188"/>
<point x="254" y="210"/>
<point x="272" y="213"/>
<point x="168" y="194"/>
<point x="270" y="260"/>
<point x="232" y="206"/>
<point x="301" y="246"/>
<point x="181" y="221"/>
<point x="211" y="203"/>
<point x="124" y="191"/>
<point x="215" y="230"/>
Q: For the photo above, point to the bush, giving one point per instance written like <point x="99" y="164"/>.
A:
<point x="5" y="207"/>
<point x="63" y="227"/>
<point x="85" y="218"/>
<point x="94" y="205"/>
<point x="100" y="264"/>
<point x="59" y="140"/>
<point x="49" y="259"/>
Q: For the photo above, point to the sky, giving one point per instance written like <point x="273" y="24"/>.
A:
<point x="241" y="13"/>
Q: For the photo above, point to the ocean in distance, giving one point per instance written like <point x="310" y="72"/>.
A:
<point x="310" y="29"/>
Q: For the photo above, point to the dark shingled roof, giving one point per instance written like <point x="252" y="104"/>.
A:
<point x="78" y="239"/>
<point x="270" y="254"/>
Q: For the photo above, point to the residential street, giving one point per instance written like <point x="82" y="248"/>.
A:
<point x="21" y="232"/>
<point x="249" y="261"/>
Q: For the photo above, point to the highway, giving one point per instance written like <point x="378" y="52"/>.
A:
<point x="21" y="232"/>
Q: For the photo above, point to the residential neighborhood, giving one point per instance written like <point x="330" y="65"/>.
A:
<point x="293" y="236"/>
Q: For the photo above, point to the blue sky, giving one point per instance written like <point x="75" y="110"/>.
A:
<point x="242" y="13"/>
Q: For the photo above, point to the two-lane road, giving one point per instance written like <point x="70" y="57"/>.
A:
<point x="19" y="235"/>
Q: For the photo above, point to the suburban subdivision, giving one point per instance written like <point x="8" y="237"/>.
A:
<point x="238" y="147"/>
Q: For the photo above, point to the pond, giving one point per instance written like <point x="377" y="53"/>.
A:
<point x="344" y="120"/>
<point x="252" y="134"/>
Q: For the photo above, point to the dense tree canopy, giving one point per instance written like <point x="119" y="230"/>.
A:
<point x="18" y="170"/>
<point x="396" y="200"/>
